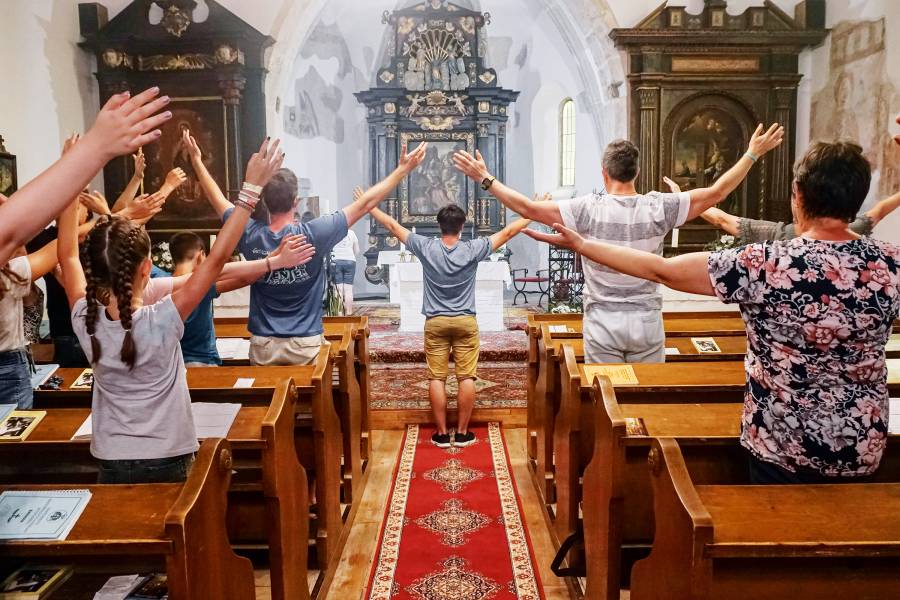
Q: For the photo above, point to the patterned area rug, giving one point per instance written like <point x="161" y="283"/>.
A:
<point x="395" y="347"/>
<point x="404" y="386"/>
<point x="453" y="528"/>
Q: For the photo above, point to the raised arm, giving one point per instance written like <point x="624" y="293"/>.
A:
<point x="260" y="169"/>
<point x="123" y="125"/>
<point x="390" y="223"/>
<point x="760" y="144"/>
<point x="372" y="197"/>
<point x="686" y="273"/>
<point x="293" y="251"/>
<point x="516" y="227"/>
<point x="72" y="279"/>
<point x="134" y="184"/>
<point x="475" y="168"/>
<point x="883" y="208"/>
<point x="214" y="195"/>
<point x="716" y="217"/>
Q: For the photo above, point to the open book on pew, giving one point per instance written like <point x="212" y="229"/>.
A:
<point x="34" y="582"/>
<point x="135" y="587"/>
<point x="212" y="420"/>
<point x="40" y="514"/>
<point x="233" y="348"/>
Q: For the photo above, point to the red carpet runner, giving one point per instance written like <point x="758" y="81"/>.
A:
<point x="453" y="529"/>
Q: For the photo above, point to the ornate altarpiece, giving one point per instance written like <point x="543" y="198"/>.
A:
<point x="213" y="71"/>
<point x="698" y="86"/>
<point x="436" y="88"/>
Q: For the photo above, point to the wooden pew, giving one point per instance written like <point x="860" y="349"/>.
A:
<point x="347" y="336"/>
<point x="180" y="526"/>
<point x="725" y="540"/>
<point x="268" y="497"/>
<point x="616" y="492"/>
<point x="317" y="432"/>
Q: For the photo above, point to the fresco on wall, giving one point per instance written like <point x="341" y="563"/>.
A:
<point x="855" y="103"/>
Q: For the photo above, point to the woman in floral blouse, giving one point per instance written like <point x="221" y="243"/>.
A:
<point x="818" y="310"/>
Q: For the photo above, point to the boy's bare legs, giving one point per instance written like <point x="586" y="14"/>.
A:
<point x="438" y="396"/>
<point x="466" y="403"/>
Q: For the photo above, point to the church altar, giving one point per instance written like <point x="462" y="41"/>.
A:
<point x="407" y="285"/>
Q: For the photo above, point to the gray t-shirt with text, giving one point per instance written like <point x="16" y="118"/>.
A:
<point x="449" y="274"/>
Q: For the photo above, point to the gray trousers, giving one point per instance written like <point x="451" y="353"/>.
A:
<point x="624" y="336"/>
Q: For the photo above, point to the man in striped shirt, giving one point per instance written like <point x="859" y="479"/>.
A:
<point x="622" y="314"/>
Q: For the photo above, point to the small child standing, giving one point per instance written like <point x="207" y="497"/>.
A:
<point x="450" y="266"/>
<point x="143" y="430"/>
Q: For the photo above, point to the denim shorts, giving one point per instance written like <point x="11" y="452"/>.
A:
<point x="15" y="379"/>
<point x="149" y="470"/>
<point x="344" y="271"/>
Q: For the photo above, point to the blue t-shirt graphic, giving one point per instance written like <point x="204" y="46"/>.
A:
<point x="289" y="302"/>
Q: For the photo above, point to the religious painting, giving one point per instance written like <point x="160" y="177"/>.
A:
<point x="187" y="207"/>
<point x="8" y="182"/>
<point x="706" y="145"/>
<point x="856" y="102"/>
<point x="437" y="183"/>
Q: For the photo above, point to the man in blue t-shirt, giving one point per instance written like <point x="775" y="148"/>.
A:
<point x="198" y="343"/>
<point x="286" y="306"/>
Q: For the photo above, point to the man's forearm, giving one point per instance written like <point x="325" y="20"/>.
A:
<point x="509" y="232"/>
<point x="705" y="198"/>
<point x="214" y="195"/>
<point x="884" y="208"/>
<point x="391" y="224"/>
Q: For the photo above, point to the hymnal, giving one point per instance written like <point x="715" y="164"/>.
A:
<point x="706" y="345"/>
<point x="19" y="424"/>
<point x="33" y="582"/>
<point x="40" y="514"/>
<point x="618" y="374"/>
<point x="85" y="381"/>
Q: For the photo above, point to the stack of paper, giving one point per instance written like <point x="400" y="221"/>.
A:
<point x="84" y="432"/>
<point x="214" y="420"/>
<point x="894" y="417"/>
<point x="233" y="348"/>
<point x="40" y="514"/>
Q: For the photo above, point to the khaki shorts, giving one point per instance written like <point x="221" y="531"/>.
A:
<point x="456" y="335"/>
<point x="273" y="352"/>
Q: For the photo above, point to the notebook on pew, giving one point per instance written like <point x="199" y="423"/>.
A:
<point x="41" y="374"/>
<point x="17" y="425"/>
<point x="233" y="348"/>
<point x="40" y="514"/>
<point x="85" y="381"/>
<point x="706" y="345"/>
<point x="34" y="582"/>
<point x="211" y="420"/>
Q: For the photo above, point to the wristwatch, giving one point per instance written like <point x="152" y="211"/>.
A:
<point x="487" y="183"/>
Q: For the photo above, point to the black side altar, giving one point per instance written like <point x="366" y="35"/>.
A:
<point x="435" y="88"/>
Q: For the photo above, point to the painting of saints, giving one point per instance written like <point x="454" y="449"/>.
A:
<point x="437" y="183"/>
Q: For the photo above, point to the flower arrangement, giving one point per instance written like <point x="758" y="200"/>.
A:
<point x="564" y="309"/>
<point x="162" y="257"/>
<point x="726" y="242"/>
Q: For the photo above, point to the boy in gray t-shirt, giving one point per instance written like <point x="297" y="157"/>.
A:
<point x="450" y="266"/>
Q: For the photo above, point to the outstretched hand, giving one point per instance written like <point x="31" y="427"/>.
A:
<point x="472" y="166"/>
<point x="292" y="252"/>
<point x="410" y="160"/>
<point x="762" y="142"/>
<point x="144" y="207"/>
<point x="140" y="163"/>
<point x="191" y="145"/>
<point x="357" y="193"/>
<point x="175" y="178"/>
<point x="70" y="142"/>
<point x="125" y="123"/>
<point x="673" y="187"/>
<point x="566" y="238"/>
<point x="94" y="202"/>
<point x="264" y="163"/>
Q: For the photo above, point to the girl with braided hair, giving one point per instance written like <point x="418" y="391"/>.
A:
<point x="143" y="430"/>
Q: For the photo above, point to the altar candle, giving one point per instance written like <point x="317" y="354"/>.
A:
<point x="402" y="247"/>
<point x="675" y="238"/>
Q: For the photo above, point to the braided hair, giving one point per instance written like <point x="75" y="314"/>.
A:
<point x="110" y="258"/>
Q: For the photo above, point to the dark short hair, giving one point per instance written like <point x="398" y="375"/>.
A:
<point x="834" y="179"/>
<point x="451" y="219"/>
<point x="184" y="246"/>
<point x="622" y="160"/>
<point x="281" y="192"/>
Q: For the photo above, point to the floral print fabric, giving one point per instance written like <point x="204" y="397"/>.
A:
<point x="818" y="317"/>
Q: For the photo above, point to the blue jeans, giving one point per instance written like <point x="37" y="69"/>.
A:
<point x="149" y="470"/>
<point x="344" y="271"/>
<point x="15" y="379"/>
